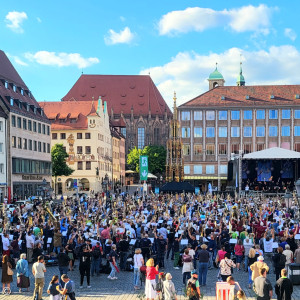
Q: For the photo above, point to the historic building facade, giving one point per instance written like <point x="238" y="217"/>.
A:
<point x="4" y="143"/>
<point x="27" y="136"/>
<point x="84" y="130"/>
<point x="134" y="103"/>
<point x="235" y="119"/>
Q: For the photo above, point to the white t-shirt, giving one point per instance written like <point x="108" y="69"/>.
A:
<point x="137" y="258"/>
<point x="5" y="242"/>
<point x="29" y="241"/>
<point x="268" y="245"/>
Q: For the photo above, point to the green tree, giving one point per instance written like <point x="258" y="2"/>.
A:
<point x="59" y="164"/>
<point x="156" y="158"/>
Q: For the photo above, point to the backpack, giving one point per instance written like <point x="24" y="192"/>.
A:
<point x="96" y="252"/>
<point x="191" y="290"/>
<point x="158" y="286"/>
<point x="282" y="260"/>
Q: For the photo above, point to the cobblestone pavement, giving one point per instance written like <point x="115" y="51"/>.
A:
<point x="121" y="289"/>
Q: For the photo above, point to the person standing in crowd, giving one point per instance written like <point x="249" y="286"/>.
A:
<point x="85" y="265"/>
<point x="151" y="273"/>
<point x="187" y="266"/>
<point x="225" y="267"/>
<point x="138" y="261"/>
<point x="5" y="244"/>
<point x="38" y="271"/>
<point x="22" y="269"/>
<point x="113" y="262"/>
<point x="169" y="288"/>
<point x="96" y="259"/>
<point x="145" y="246"/>
<point x="6" y="278"/>
<point x="257" y="266"/>
<point x="161" y="249"/>
<point x="262" y="286"/>
<point x="69" y="288"/>
<point x="212" y="249"/>
<point x="123" y="248"/>
<point x="29" y="245"/>
<point x="288" y="255"/>
<point x="239" y="253"/>
<point x="297" y="255"/>
<point x="268" y="243"/>
<point x="54" y="288"/>
<point x="57" y="241"/>
<point x="170" y="243"/>
<point x="193" y="287"/>
<point x="70" y="251"/>
<point x="203" y="257"/>
<point x="279" y="262"/>
<point x="252" y="258"/>
<point x="63" y="262"/>
<point x="248" y="244"/>
<point x="234" y="287"/>
<point x="176" y="247"/>
<point x="284" y="287"/>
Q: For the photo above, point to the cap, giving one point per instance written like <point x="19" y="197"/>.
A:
<point x="260" y="257"/>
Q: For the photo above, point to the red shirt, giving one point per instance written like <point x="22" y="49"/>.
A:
<point x="151" y="273"/>
<point x="239" y="249"/>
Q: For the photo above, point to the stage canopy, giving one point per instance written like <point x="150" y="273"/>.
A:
<point x="273" y="153"/>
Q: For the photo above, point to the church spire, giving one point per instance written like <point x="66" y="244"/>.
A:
<point x="240" y="79"/>
<point x="174" y="107"/>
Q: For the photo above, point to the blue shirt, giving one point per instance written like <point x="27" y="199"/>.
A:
<point x="70" y="287"/>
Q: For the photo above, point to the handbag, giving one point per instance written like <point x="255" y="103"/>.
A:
<point x="10" y="272"/>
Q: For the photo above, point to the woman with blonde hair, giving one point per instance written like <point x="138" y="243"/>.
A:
<point x="6" y="279"/>
<point x="138" y="262"/>
<point x="252" y="258"/>
<point x="151" y="273"/>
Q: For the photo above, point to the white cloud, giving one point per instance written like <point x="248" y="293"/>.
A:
<point x="14" y="20"/>
<point x="61" y="59"/>
<point x="125" y="36"/>
<point x="19" y="61"/>
<point x="290" y="33"/>
<point x="39" y="20"/>
<point x="246" y="18"/>
<point x="187" y="72"/>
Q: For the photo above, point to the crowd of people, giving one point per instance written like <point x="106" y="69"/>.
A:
<point x="109" y="234"/>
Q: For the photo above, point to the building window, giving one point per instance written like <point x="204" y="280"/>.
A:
<point x="285" y="131"/>
<point x="247" y="114"/>
<point x="25" y="124"/>
<point x="210" y="149"/>
<point x="210" y="169"/>
<point x="141" y="137"/>
<point x="30" y="144"/>
<point x="197" y="132"/>
<point x="297" y="147"/>
<point x="235" y="131"/>
<point x="247" y="131"/>
<point x="156" y="136"/>
<point x="79" y="135"/>
<point x="62" y="136"/>
<point x="260" y="114"/>
<point x="223" y="132"/>
<point x="54" y="136"/>
<point x="123" y="131"/>
<point x="297" y="113"/>
<point x="186" y="149"/>
<point x="235" y="115"/>
<point x="273" y="114"/>
<point x="39" y="128"/>
<point x="235" y="148"/>
<point x="29" y="125"/>
<point x="1" y="168"/>
<point x="25" y="144"/>
<point x="197" y="115"/>
<point x="272" y="130"/>
<point x="34" y="145"/>
<point x="286" y="114"/>
<point x="44" y="147"/>
<point x="14" y="141"/>
<point x="197" y="149"/>
<point x="223" y="169"/>
<point x="19" y="143"/>
<point x="87" y="136"/>
<point x="260" y="147"/>
<point x="1" y="147"/>
<point x="19" y="122"/>
<point x="210" y="132"/>
<point x="297" y="130"/>
<point x="34" y="126"/>
<point x="88" y="165"/>
<point x="13" y="121"/>
<point x="185" y="132"/>
<point x="260" y="131"/>
<point x="185" y="116"/>
<point x="11" y="101"/>
<point x="79" y="165"/>
<point x="79" y="149"/>
<point x="87" y="149"/>
<point x="48" y="130"/>
<point x="197" y="169"/>
<point x="187" y="169"/>
<point x="223" y="115"/>
<point x="48" y="148"/>
<point x="247" y="148"/>
<point x="210" y="115"/>
<point x="44" y="129"/>
<point x="222" y="149"/>
<point x="40" y="146"/>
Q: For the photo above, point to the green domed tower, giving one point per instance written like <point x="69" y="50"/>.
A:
<point x="215" y="79"/>
<point x="241" y="79"/>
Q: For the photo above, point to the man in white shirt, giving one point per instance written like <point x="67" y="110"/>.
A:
<point x="268" y="243"/>
<point x="38" y="271"/>
<point x="29" y="246"/>
<point x="247" y="245"/>
<point x="288" y="254"/>
<point x="6" y="244"/>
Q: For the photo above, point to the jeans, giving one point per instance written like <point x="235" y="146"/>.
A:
<point x="186" y="277"/>
<point x="246" y="262"/>
<point x="96" y="265"/>
<point x="161" y="259"/>
<point x="176" y="258"/>
<point x="170" y="247"/>
<point x="123" y="259"/>
<point x="136" y="277"/>
<point x="250" y="276"/>
<point x="113" y="270"/>
<point x="62" y="270"/>
<point x="85" y="271"/>
<point x="212" y="255"/>
<point x="203" y="267"/>
<point x="56" y="249"/>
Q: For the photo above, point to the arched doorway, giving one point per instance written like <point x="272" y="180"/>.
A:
<point x="85" y="184"/>
<point x="69" y="184"/>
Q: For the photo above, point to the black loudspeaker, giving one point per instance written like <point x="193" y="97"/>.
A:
<point x="230" y="171"/>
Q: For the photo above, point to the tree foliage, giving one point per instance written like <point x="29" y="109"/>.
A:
<point x="156" y="159"/>
<point x="59" y="164"/>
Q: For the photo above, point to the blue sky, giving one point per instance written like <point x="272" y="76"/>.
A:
<point x="51" y="42"/>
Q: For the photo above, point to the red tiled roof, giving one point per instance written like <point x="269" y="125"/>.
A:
<point x="248" y="96"/>
<point x="121" y="93"/>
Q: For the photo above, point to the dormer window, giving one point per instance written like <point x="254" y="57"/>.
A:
<point x="20" y="104"/>
<point x="14" y="88"/>
<point x="6" y="84"/>
<point x="222" y="97"/>
<point x="34" y="110"/>
<point x="29" y="94"/>
<point x="22" y="91"/>
<point x="11" y="101"/>
<point x="247" y="97"/>
<point x="42" y="112"/>
<point x="27" y="106"/>
<point x="272" y="97"/>
<point x="297" y="96"/>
